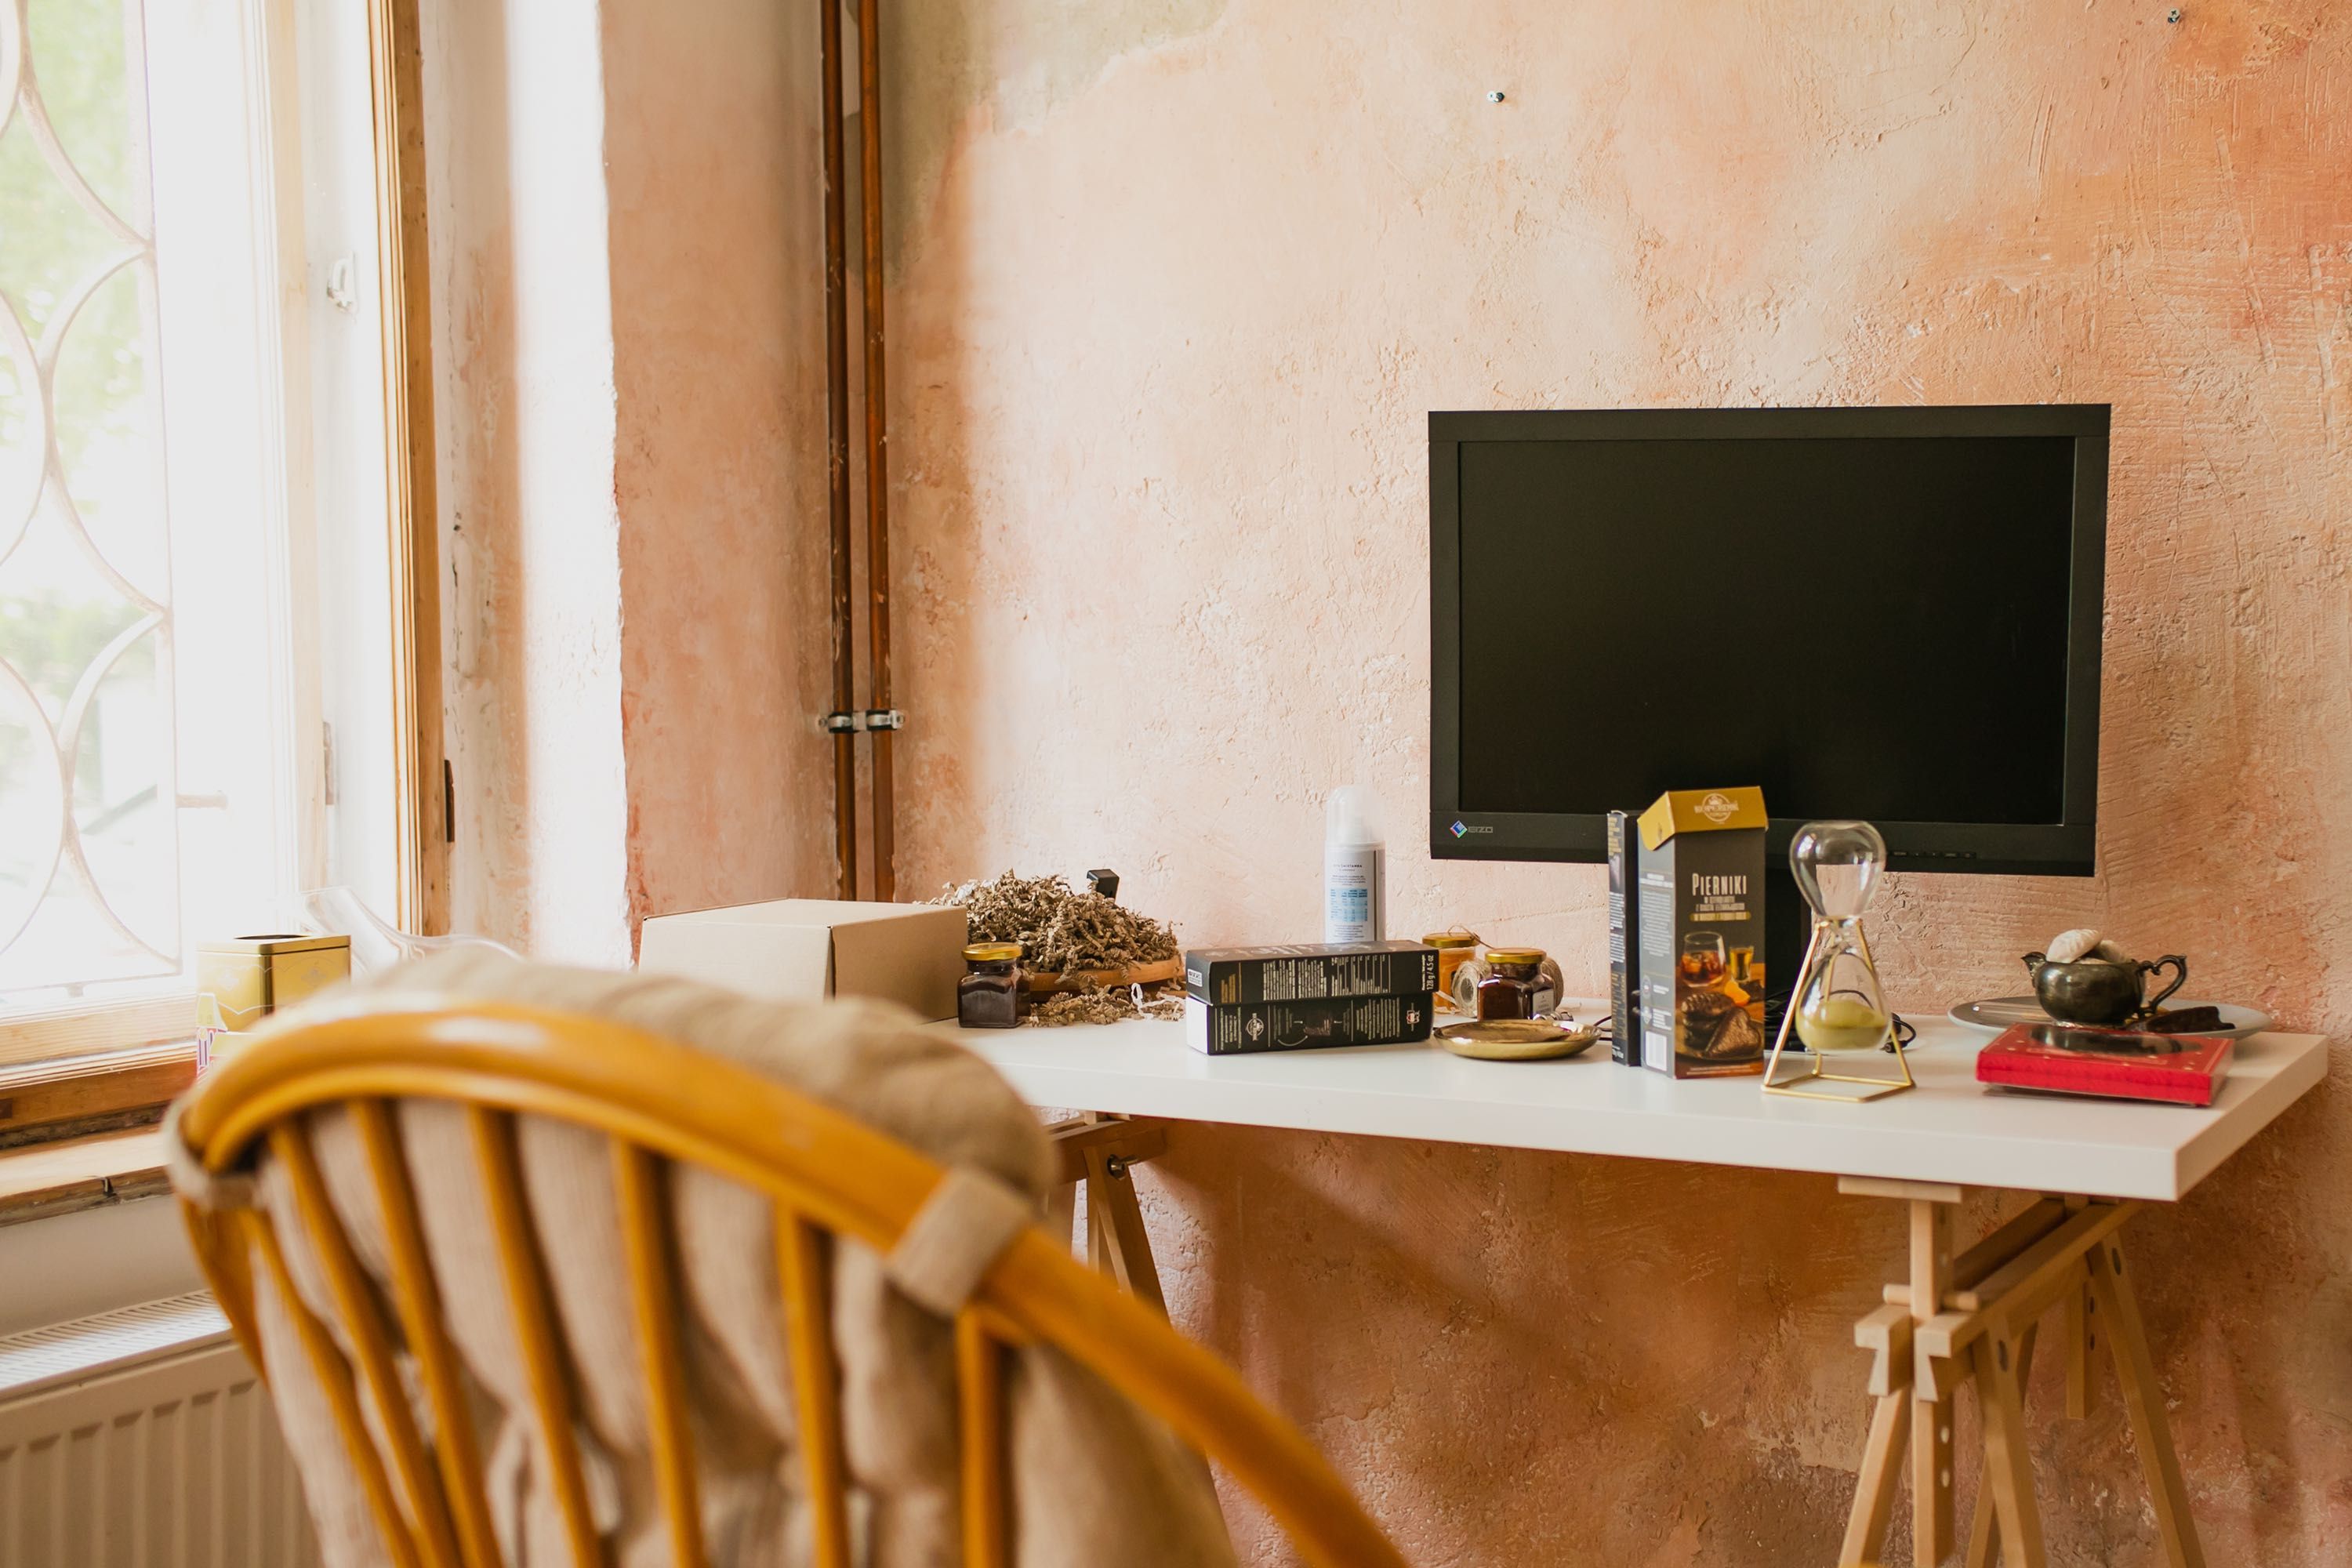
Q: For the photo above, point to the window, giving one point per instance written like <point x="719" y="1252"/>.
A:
<point x="192" y="458"/>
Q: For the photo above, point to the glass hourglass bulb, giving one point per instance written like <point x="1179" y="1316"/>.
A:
<point x="1837" y="865"/>
<point x="1841" y="1005"/>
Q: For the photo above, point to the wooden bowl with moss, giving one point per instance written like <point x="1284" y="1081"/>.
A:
<point x="1071" y="938"/>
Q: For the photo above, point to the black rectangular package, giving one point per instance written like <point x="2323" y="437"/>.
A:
<point x="1299" y="971"/>
<point x="1624" y="943"/>
<point x="1223" y="1031"/>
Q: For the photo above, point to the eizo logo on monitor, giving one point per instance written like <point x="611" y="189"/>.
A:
<point x="1463" y="828"/>
<point x="1459" y="830"/>
<point x="1717" y="806"/>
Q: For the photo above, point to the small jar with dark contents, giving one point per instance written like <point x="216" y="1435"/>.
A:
<point x="1513" y="977"/>
<point x="989" y="996"/>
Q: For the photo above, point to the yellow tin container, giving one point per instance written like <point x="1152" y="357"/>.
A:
<point x="250" y="977"/>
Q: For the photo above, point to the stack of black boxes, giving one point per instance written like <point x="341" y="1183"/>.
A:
<point x="1308" y="994"/>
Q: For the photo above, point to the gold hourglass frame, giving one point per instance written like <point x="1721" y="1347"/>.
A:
<point x="1816" y="1083"/>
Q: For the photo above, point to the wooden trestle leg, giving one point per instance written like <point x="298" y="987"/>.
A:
<point x="1974" y="1319"/>
<point x="1100" y="1151"/>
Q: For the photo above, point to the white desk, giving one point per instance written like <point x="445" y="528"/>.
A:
<point x="1955" y="1318"/>
<point x="1948" y="1130"/>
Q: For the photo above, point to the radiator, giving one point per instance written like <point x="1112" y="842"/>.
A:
<point x="141" y="1438"/>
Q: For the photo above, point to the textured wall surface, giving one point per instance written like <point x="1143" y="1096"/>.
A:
<point x="530" y="539"/>
<point x="719" y="474"/>
<point x="1173" y="288"/>
<point x="628" y="308"/>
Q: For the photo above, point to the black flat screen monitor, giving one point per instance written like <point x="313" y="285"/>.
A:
<point x="1890" y="614"/>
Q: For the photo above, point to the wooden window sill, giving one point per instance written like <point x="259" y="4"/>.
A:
<point x="84" y="1097"/>
<point x="49" y="1179"/>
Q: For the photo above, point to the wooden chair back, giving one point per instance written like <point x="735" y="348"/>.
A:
<point x="659" y="1101"/>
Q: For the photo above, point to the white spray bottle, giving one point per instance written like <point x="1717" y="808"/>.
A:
<point x="1355" y="882"/>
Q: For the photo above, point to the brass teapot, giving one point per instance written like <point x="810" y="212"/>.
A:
<point x="2096" y="991"/>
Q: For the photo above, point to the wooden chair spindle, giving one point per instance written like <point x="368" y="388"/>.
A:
<point x="980" y="1388"/>
<point x="816" y="1395"/>
<point x="363" y="1321"/>
<point x="335" y="1376"/>
<point x="655" y="1298"/>
<point x="416" y="1297"/>
<point x="531" y="1309"/>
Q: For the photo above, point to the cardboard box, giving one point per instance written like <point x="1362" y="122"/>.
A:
<point x="1306" y="1024"/>
<point x="1299" y="971"/>
<point x="795" y="949"/>
<point x="1701" y="914"/>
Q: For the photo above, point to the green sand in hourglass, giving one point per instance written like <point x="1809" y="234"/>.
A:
<point x="1840" y="1008"/>
<point x="1842" y="1024"/>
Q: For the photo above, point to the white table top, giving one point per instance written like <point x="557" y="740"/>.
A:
<point x="1950" y="1129"/>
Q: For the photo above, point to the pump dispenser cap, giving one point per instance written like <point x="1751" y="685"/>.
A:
<point x="1350" y="816"/>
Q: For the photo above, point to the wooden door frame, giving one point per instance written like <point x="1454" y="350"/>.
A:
<point x="422" y="791"/>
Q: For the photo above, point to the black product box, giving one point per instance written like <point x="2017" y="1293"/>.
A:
<point x="1624" y="943"/>
<point x="1224" y="1031"/>
<point x="1300" y="972"/>
<point x="1701" y="892"/>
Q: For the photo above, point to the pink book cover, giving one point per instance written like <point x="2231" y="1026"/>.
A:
<point x="2121" y="1063"/>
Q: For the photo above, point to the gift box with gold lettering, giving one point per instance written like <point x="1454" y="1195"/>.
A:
<point x="1701" y="902"/>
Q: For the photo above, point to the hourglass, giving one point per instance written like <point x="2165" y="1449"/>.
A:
<point x="1837" y="1008"/>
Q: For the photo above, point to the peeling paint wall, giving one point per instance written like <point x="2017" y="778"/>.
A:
<point x="1173" y="293"/>
<point x="628" y="308"/>
<point x="531" y="534"/>
<point x="717" y="305"/>
<point x="1174" y="285"/>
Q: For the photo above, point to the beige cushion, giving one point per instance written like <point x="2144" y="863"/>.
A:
<point x="1095" y="1482"/>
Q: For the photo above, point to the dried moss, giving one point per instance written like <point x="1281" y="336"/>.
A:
<point x="1060" y="926"/>
<point x="1107" y="1005"/>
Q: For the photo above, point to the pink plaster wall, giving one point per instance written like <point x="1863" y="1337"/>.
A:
<point x="1174" y="285"/>
<point x="631" y="406"/>
<point x="717" y="301"/>
<point x="524" y="405"/>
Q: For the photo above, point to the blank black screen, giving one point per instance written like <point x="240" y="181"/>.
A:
<point x="1869" y="627"/>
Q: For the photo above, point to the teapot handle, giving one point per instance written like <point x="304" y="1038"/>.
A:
<point x="2179" y="977"/>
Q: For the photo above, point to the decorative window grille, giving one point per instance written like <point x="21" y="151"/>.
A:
<point x="196" y="567"/>
<point x="89" y="807"/>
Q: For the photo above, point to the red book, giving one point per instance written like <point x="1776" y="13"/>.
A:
<point x="2184" y="1069"/>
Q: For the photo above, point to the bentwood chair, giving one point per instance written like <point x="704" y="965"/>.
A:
<point x="659" y="1101"/>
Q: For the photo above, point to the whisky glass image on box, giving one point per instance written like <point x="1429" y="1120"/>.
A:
<point x="1704" y="961"/>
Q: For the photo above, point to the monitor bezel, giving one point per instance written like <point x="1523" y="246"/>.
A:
<point x="2066" y="847"/>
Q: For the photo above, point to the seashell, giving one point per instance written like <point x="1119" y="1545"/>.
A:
<point x="2070" y="945"/>
<point x="2111" y="951"/>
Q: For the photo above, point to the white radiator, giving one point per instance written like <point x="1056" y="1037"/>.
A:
<point x="141" y="1438"/>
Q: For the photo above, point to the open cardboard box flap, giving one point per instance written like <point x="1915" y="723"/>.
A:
<point x="807" y="949"/>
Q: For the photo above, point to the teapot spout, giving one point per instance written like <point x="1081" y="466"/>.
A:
<point x="2035" y="960"/>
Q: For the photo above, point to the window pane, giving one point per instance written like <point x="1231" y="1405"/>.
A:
<point x="89" y="858"/>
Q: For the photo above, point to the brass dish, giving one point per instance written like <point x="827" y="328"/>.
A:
<point x="1515" y="1039"/>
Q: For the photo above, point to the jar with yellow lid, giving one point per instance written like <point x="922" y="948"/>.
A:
<point x="1453" y="947"/>
<point x="1515" y="985"/>
<point x="989" y="996"/>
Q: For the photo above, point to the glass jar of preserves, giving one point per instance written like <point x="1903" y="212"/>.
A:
<point x="1516" y="985"/>
<point x="1453" y="947"/>
<point x="989" y="996"/>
